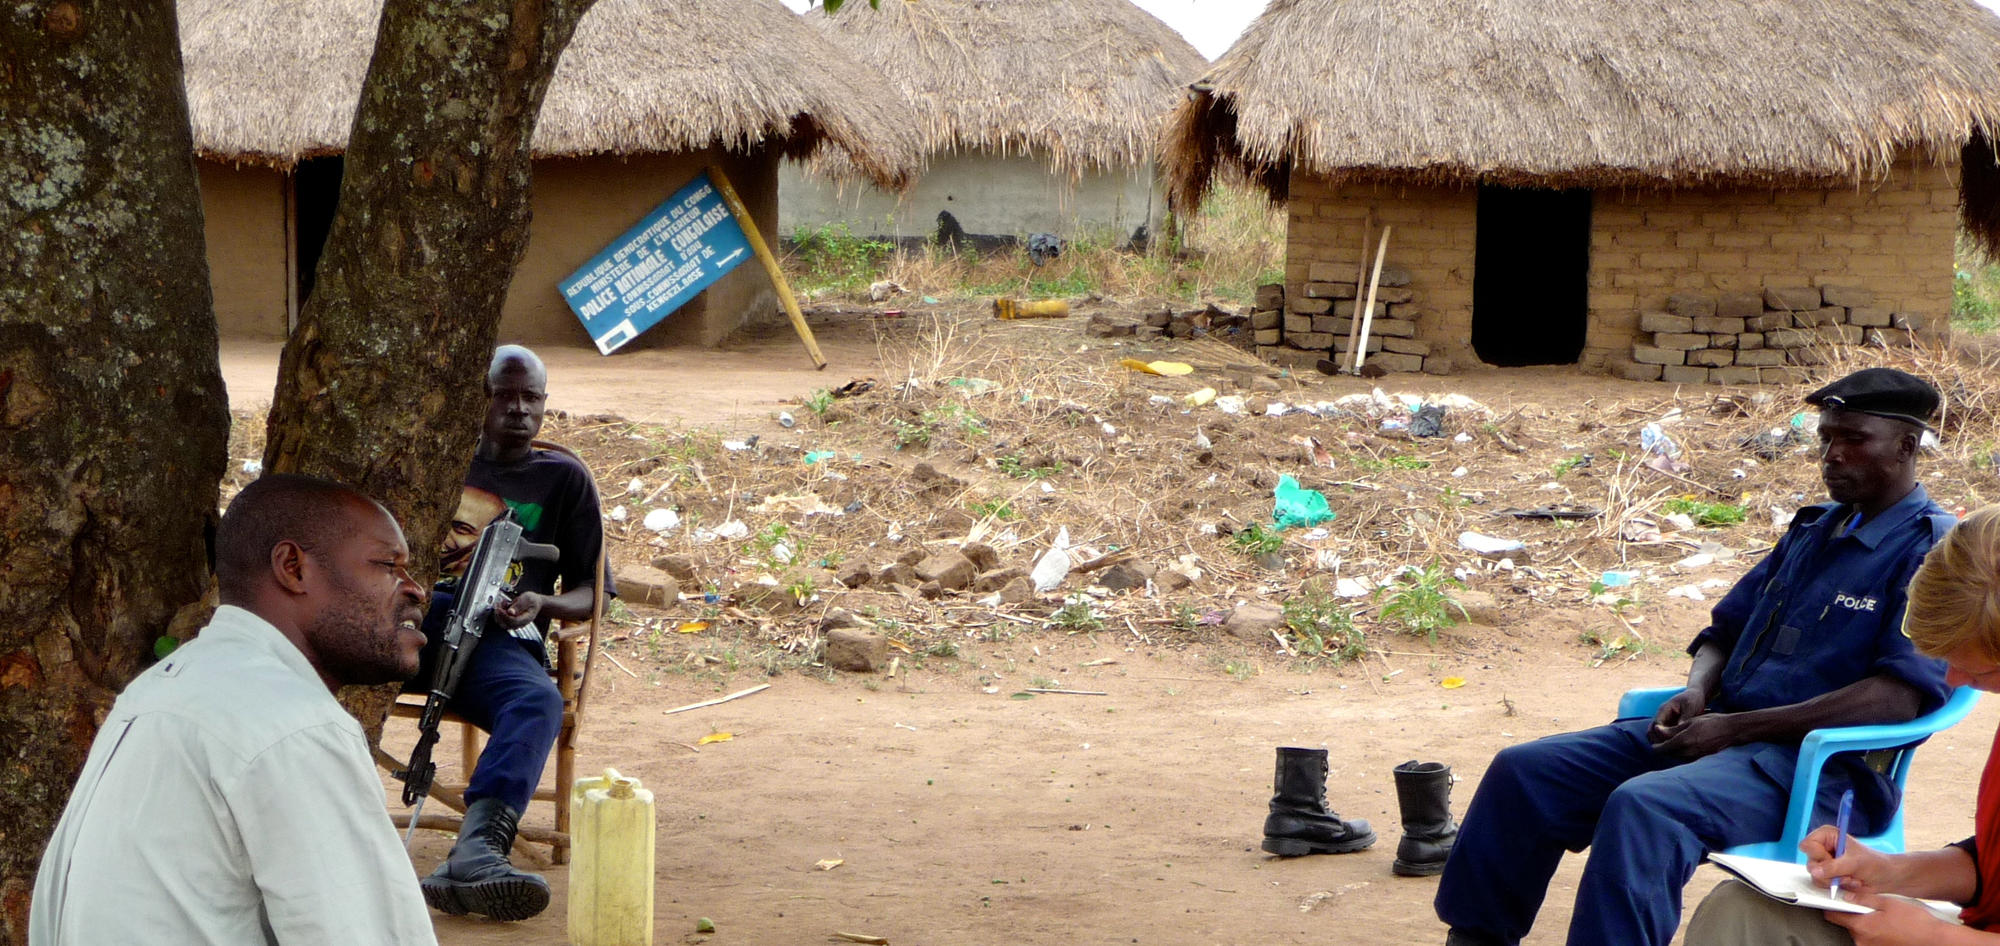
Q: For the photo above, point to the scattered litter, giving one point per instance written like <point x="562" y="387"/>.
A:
<point x="1679" y="520"/>
<point x="253" y="467"/>
<point x="1774" y="443"/>
<point x="1662" y="453"/>
<point x="704" y="925"/>
<point x="973" y="387"/>
<point x="1616" y="579"/>
<point x="930" y="300"/>
<point x="883" y="289"/>
<point x="733" y="529"/>
<point x="782" y="552"/>
<point x="617" y="513"/>
<point x="715" y="737"/>
<point x="1395" y="423"/>
<point x="1559" y="511"/>
<point x="1276" y="409"/>
<point x="1317" y="534"/>
<point x="863" y="938"/>
<point x="815" y="456"/>
<point x="1160" y="399"/>
<point x="1353" y="587"/>
<point x="636" y="486"/>
<point x="1201" y="441"/>
<point x="691" y="627"/>
<point x="1172" y="369"/>
<point x="1699" y="560"/>
<point x="1461" y="437"/>
<point x="1488" y="545"/>
<point x="1054" y="564"/>
<point x="1230" y="404"/>
<point x="739" y="694"/>
<point x="661" y="520"/>
<point x="797" y="504"/>
<point x="1199" y="398"/>
<point x="1428" y="421"/>
<point x="1461" y="471"/>
<point x="1315" y="454"/>
<point x="1689" y="592"/>
<point x="833" y="862"/>
<point x="1297" y="506"/>
<point x="737" y="446"/>
<point x="1452" y="683"/>
<point x="785" y="419"/>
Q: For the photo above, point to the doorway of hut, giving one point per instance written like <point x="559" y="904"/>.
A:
<point x="1530" y="276"/>
<point x="315" y="193"/>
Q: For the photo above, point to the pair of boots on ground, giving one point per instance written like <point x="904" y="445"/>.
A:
<point x="1301" y="823"/>
<point x="477" y="877"/>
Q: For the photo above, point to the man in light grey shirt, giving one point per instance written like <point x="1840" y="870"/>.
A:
<point x="228" y="798"/>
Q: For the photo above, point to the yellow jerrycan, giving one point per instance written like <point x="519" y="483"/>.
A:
<point x="611" y="872"/>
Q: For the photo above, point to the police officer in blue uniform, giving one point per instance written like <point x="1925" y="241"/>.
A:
<point x="1811" y="637"/>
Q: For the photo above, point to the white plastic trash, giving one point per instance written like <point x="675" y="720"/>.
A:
<point x="661" y="520"/>
<point x="1488" y="545"/>
<point x="1053" y="566"/>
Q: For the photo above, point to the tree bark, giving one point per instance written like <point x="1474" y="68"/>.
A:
<point x="113" y="418"/>
<point x="380" y="385"/>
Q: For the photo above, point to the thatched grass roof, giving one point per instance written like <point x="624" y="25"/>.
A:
<point x="1589" y="92"/>
<point x="276" y="81"/>
<point x="1087" y="82"/>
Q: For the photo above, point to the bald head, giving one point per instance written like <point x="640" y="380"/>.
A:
<point x="508" y="358"/>
<point x="309" y="512"/>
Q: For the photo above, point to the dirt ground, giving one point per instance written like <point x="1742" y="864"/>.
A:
<point x="963" y="809"/>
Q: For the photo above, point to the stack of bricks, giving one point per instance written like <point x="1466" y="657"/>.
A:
<point x="1753" y="338"/>
<point x="1318" y="323"/>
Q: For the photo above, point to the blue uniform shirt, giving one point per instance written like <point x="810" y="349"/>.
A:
<point x="1825" y="610"/>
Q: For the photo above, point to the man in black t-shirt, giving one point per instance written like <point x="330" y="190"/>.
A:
<point x="507" y="690"/>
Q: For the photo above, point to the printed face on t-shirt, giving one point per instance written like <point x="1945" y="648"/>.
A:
<point x="477" y="509"/>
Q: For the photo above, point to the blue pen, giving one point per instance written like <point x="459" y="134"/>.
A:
<point x="1840" y="835"/>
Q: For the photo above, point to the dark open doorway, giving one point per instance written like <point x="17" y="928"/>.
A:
<point x="1530" y="276"/>
<point x="315" y="192"/>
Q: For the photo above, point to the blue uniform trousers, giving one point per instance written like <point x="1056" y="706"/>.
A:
<point x="1647" y="817"/>
<point x="508" y="692"/>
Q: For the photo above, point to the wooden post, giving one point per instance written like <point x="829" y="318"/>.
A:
<point x="763" y="251"/>
<point x="1366" y="316"/>
<point x="1360" y="275"/>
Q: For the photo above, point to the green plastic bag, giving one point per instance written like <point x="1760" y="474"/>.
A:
<point x="1297" y="506"/>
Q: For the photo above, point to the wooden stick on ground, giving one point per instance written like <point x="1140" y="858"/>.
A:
<point x="739" y="694"/>
<point x="764" y="256"/>
<point x="1360" y="273"/>
<point x="1364" y="317"/>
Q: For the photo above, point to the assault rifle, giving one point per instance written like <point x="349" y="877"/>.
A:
<point x="483" y="585"/>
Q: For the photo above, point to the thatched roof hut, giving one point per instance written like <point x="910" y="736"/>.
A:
<point x="1570" y="93"/>
<point x="275" y="83"/>
<point x="1088" y="82"/>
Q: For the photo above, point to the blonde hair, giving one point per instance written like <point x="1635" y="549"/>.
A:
<point x="1955" y="595"/>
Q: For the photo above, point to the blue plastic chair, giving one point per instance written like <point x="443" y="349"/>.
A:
<point x="1819" y="746"/>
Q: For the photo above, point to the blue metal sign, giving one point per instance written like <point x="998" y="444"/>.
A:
<point x="679" y="249"/>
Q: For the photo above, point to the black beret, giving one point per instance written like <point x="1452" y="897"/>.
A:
<point x="1883" y="392"/>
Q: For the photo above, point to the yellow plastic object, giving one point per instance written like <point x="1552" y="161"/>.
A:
<point x="1005" y="308"/>
<point x="1169" y="368"/>
<point x="611" y="876"/>
<point x="1199" y="398"/>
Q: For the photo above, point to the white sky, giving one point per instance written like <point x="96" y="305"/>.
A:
<point x="1211" y="25"/>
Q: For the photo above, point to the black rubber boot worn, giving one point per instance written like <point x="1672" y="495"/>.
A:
<point x="477" y="877"/>
<point x="1299" y="822"/>
<point x="1423" y="792"/>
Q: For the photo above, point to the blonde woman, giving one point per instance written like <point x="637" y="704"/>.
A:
<point x="1954" y="614"/>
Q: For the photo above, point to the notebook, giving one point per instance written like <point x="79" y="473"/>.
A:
<point x="1789" y="882"/>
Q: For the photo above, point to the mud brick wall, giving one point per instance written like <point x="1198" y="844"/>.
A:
<point x="1891" y="238"/>
<point x="1756" y="338"/>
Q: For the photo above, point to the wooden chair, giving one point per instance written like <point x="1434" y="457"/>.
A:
<point x="572" y="676"/>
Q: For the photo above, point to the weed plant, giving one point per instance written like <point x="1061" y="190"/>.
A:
<point x="1706" y="513"/>
<point x="1421" y="602"/>
<point x="1321" y="628"/>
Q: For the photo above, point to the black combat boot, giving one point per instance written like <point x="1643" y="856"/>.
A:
<point x="1423" y="791"/>
<point x="1300" y="822"/>
<point x="477" y="878"/>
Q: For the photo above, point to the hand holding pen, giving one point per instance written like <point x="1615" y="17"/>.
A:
<point x="1840" y="820"/>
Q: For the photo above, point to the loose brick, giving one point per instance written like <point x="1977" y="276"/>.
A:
<point x="1749" y="340"/>
<point x="1328" y="271"/>
<point x="1407" y="346"/>
<point x="1298" y="323"/>
<point x="1717" y="325"/>
<point x="1266" y="318"/>
<point x="1726" y="342"/>
<point x="1271" y="296"/>
<point x="1268" y="336"/>
<point x="1682" y="374"/>
<point x="1734" y="375"/>
<point x="1665" y="322"/>
<point x="1391" y="361"/>
<point x="1438" y="364"/>
<point x="1311" y="306"/>
<point x="1793" y="298"/>
<point x="1646" y="355"/>
<point x="1868" y="317"/>
<point x="1291" y="358"/>
<point x="1330" y="290"/>
<point x="1768" y="321"/>
<point x="1692" y="305"/>
<point x="1348" y="307"/>
<point x="1684" y="342"/>
<point x="1785" y="338"/>
<point x="1634" y="371"/>
<point x="1891" y="337"/>
<point x="1847" y="296"/>
<point x="1391" y="295"/>
<point x="1761" y="357"/>
<point x="1842" y="334"/>
<point x="1395" y="276"/>
<point x="1327" y="324"/>
<point x="1711" y="358"/>
<point x="1310" y="341"/>
<point x="1739" y="305"/>
<point x="1343" y="344"/>
<point x="1396" y="328"/>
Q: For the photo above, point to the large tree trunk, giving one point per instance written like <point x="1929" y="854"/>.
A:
<point x="380" y="384"/>
<point x="112" y="412"/>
